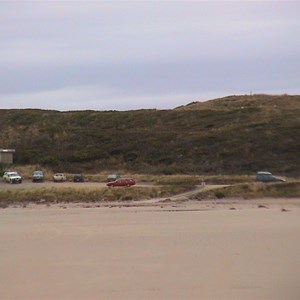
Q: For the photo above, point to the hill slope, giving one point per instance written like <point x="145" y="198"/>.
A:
<point x="236" y="134"/>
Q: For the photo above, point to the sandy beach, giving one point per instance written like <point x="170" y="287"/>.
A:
<point x="190" y="250"/>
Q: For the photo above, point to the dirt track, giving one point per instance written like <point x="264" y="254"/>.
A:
<point x="26" y="184"/>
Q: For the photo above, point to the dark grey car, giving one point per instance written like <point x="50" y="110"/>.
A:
<point x="78" y="178"/>
<point x="38" y="176"/>
<point x="268" y="177"/>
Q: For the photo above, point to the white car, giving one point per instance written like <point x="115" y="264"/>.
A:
<point x="12" y="177"/>
<point x="59" y="177"/>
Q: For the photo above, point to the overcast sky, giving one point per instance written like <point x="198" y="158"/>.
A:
<point x="123" y="55"/>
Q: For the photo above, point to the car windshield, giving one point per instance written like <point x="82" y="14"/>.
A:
<point x="38" y="173"/>
<point x="13" y="174"/>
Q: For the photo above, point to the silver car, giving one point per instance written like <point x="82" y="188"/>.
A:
<point x="267" y="177"/>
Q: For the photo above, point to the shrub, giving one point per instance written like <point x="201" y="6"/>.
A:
<point x="219" y="194"/>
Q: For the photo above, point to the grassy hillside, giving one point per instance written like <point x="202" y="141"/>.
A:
<point x="236" y="134"/>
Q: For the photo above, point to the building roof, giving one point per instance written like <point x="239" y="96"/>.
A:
<point x="7" y="150"/>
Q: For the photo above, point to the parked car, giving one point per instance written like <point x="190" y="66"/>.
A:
<point x="12" y="177"/>
<point x="121" y="182"/>
<point x="268" y="177"/>
<point x="112" y="177"/>
<point x="38" y="176"/>
<point x="78" y="178"/>
<point x="59" y="177"/>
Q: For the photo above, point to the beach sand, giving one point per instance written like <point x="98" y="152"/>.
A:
<point x="170" y="251"/>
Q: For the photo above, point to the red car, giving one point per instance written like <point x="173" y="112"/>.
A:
<point x="121" y="182"/>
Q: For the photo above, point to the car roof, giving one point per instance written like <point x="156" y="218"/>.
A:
<point x="264" y="173"/>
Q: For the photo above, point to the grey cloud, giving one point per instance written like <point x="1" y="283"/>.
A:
<point x="141" y="50"/>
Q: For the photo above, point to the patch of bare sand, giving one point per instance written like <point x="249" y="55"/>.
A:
<point x="166" y="250"/>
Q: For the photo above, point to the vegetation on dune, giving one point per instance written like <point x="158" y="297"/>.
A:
<point x="232" y="135"/>
<point x="64" y="195"/>
<point x="253" y="190"/>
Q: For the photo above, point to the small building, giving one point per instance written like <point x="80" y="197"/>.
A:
<point x="7" y="156"/>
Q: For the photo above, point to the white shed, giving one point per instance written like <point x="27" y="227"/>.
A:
<point x="7" y="156"/>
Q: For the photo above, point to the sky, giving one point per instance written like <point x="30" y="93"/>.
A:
<point x="126" y="55"/>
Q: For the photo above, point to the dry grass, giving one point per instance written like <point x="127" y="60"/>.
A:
<point x="75" y="194"/>
<point x="254" y="190"/>
<point x="26" y="172"/>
